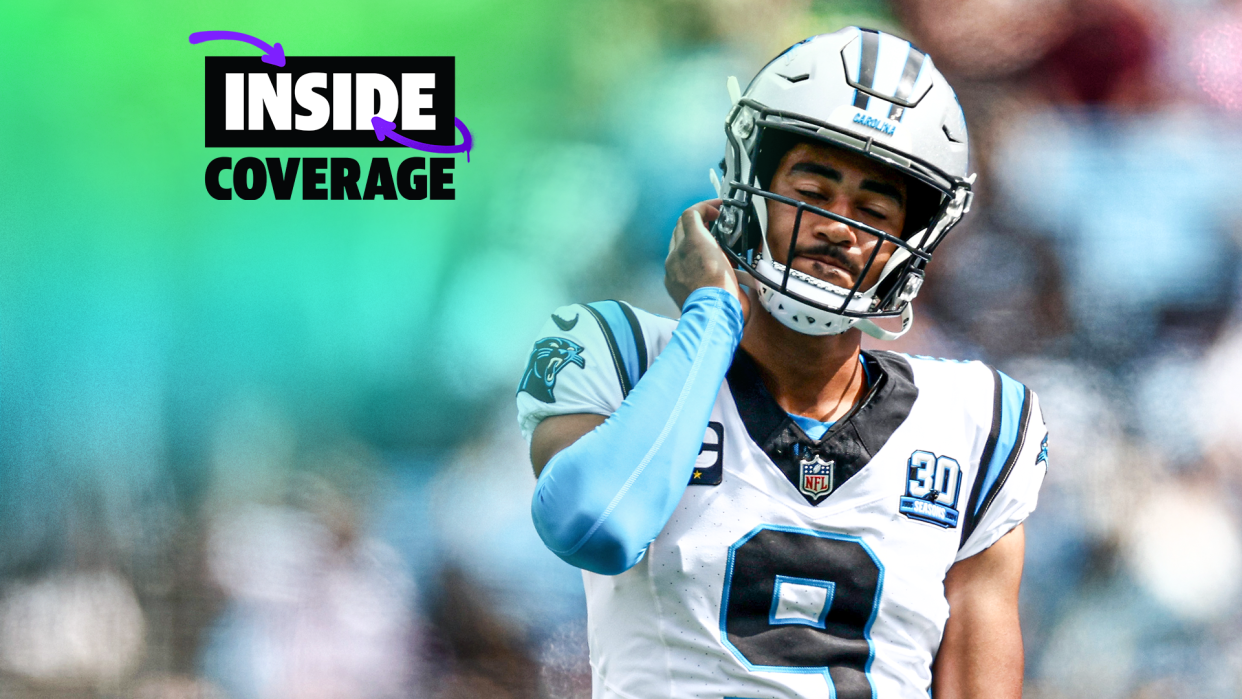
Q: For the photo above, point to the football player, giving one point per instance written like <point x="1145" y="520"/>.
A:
<point x="760" y="508"/>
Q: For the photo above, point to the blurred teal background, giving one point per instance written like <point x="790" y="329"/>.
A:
<point x="122" y="278"/>
<point x="268" y="448"/>
<point x="166" y="358"/>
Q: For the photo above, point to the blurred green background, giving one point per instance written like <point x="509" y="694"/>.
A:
<point x="124" y="281"/>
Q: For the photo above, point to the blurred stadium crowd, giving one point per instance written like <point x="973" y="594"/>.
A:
<point x="1100" y="266"/>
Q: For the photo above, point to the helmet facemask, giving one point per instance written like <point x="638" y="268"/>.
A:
<point x="936" y="200"/>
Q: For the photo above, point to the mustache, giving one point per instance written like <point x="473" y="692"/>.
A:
<point x="836" y="252"/>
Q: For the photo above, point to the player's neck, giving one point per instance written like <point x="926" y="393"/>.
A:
<point x="816" y="376"/>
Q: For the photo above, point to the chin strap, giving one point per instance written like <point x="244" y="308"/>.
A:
<point x="868" y="326"/>
<point x="744" y="278"/>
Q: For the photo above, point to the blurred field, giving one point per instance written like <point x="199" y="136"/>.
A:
<point x="268" y="450"/>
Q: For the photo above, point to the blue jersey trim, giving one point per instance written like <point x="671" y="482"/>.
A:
<point x="816" y="429"/>
<point x="812" y="427"/>
<point x="1013" y="397"/>
<point x="623" y="332"/>
<point x="1011" y="415"/>
<point x="640" y="340"/>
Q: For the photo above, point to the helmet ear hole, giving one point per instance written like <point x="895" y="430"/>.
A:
<point x="753" y="240"/>
<point x="922" y="203"/>
<point x="776" y="143"/>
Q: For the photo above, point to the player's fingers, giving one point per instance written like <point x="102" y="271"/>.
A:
<point x="700" y="228"/>
<point x="705" y="242"/>
<point x="685" y="225"/>
<point x="679" y="232"/>
<point x="709" y="210"/>
<point x="712" y="249"/>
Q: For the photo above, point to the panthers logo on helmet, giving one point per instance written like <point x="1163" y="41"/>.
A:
<point x="550" y="356"/>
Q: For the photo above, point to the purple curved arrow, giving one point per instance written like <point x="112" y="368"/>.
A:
<point x="274" y="54"/>
<point x="387" y="129"/>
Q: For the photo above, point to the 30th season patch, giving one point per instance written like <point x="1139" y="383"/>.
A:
<point x="932" y="484"/>
<point x="550" y="356"/>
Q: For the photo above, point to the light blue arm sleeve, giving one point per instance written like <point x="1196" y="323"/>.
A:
<point x="601" y="501"/>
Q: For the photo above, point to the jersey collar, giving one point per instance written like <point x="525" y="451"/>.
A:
<point x="849" y="444"/>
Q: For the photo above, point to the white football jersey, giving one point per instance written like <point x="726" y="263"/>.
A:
<point x="796" y="567"/>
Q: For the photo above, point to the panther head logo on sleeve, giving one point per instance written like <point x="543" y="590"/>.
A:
<point x="551" y="354"/>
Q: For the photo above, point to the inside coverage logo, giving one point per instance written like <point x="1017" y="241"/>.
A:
<point x="330" y="102"/>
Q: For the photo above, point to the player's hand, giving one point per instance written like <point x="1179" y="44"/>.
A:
<point x="695" y="259"/>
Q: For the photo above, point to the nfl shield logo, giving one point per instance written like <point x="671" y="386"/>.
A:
<point x="816" y="477"/>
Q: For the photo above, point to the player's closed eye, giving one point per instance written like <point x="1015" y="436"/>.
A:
<point x="813" y="195"/>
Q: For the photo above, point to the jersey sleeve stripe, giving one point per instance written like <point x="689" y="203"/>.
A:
<point x="1015" y="411"/>
<point x="611" y="323"/>
<point x="1013" y="453"/>
<point x="640" y="342"/>
<point x="1011" y="415"/>
<point x="614" y="312"/>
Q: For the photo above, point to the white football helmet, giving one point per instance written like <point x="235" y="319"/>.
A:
<point x="870" y="93"/>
